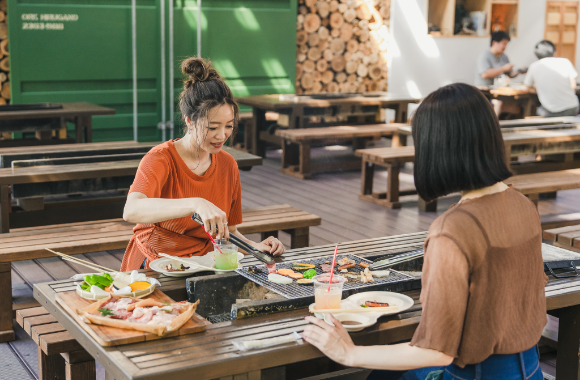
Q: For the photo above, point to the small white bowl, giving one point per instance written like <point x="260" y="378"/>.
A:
<point x="363" y="321"/>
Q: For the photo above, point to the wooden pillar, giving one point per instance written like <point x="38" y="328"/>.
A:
<point x="299" y="237"/>
<point x="4" y="209"/>
<point x="6" y="330"/>
<point x="393" y="184"/>
<point x="568" y="343"/>
<point x="88" y="128"/>
<point x="50" y="367"/>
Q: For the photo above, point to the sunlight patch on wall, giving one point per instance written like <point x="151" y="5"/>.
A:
<point x="418" y="25"/>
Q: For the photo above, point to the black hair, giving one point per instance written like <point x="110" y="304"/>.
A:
<point x="202" y="90"/>
<point x="499" y="36"/>
<point x="544" y="49"/>
<point x="458" y="143"/>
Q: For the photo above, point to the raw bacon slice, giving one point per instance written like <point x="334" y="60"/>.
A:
<point x="326" y="267"/>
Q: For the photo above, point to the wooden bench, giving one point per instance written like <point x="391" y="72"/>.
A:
<point x="296" y="145"/>
<point x="390" y="158"/>
<point x="532" y="185"/>
<point x="565" y="237"/>
<point x="75" y="238"/>
<point x="60" y="356"/>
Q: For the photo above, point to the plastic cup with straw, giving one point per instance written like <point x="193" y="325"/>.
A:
<point x="328" y="298"/>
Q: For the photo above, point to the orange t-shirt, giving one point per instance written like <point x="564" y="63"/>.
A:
<point x="162" y="173"/>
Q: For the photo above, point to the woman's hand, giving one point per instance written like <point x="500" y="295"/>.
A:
<point x="271" y="245"/>
<point x="334" y="342"/>
<point x="215" y="221"/>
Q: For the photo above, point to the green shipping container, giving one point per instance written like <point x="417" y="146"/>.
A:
<point x="81" y="50"/>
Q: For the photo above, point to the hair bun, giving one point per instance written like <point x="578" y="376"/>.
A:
<point x="198" y="70"/>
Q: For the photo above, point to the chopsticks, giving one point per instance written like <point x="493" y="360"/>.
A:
<point x="356" y="311"/>
<point x="85" y="263"/>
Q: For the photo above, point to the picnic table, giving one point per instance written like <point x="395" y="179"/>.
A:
<point x="49" y="117"/>
<point x="525" y="99"/>
<point x="44" y="176"/>
<point x="295" y="110"/>
<point x="556" y="144"/>
<point x="211" y="354"/>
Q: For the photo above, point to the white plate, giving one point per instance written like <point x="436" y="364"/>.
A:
<point x="367" y="319"/>
<point x="136" y="294"/>
<point x="207" y="260"/>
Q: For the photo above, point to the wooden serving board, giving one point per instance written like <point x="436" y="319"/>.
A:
<point x="110" y="336"/>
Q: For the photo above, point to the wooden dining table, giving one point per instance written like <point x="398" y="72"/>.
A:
<point x="52" y="173"/>
<point x="212" y="355"/>
<point x="295" y="110"/>
<point x="49" y="117"/>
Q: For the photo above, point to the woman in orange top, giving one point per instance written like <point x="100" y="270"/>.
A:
<point x="190" y="175"/>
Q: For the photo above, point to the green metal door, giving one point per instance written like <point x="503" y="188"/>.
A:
<point x="81" y="50"/>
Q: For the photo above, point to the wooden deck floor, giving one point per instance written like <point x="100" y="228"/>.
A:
<point x="332" y="196"/>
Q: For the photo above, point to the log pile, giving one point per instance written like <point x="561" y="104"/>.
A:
<point x="342" y="45"/>
<point x="4" y="61"/>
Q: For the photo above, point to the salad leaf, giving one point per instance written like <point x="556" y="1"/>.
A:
<point x="86" y="287"/>
<point x="100" y="281"/>
<point x="364" y="305"/>
<point x="309" y="273"/>
<point x="168" y="311"/>
<point x="106" y="312"/>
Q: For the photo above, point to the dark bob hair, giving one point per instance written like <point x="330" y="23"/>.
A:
<point x="499" y="36"/>
<point x="458" y="143"/>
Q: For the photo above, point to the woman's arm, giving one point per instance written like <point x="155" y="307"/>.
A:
<point x="141" y="209"/>
<point x="335" y="342"/>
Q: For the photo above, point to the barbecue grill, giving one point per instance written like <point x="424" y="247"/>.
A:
<point x="296" y="291"/>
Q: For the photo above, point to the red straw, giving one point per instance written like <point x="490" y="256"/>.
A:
<point x="333" y="262"/>
<point x="215" y="244"/>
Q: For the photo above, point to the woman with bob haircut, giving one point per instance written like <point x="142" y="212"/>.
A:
<point x="482" y="294"/>
<point x="190" y="175"/>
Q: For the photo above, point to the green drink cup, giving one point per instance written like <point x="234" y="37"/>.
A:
<point x="228" y="259"/>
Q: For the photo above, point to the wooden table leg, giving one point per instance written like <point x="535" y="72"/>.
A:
<point x="367" y="177"/>
<point x="299" y="237"/>
<point x="50" y="367"/>
<point x="398" y="140"/>
<point x="534" y="198"/>
<point x="4" y="209"/>
<point x="393" y="185"/>
<point x="567" y="362"/>
<point x="305" y="160"/>
<point x="259" y="123"/>
<point x="267" y="234"/>
<point x="527" y="107"/>
<point x="88" y="128"/>
<point x="401" y="113"/>
<point x="79" y="365"/>
<point x="427" y="206"/>
<point x="6" y="330"/>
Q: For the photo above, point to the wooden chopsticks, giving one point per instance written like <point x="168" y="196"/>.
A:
<point x="93" y="266"/>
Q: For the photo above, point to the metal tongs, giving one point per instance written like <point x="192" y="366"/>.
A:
<point x="394" y="260"/>
<point x="262" y="256"/>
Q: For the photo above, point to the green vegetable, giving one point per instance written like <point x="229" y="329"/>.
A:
<point x="309" y="273"/>
<point x="364" y="305"/>
<point x="86" y="287"/>
<point x="167" y="303"/>
<point x="100" y="281"/>
<point x="168" y="311"/>
<point x="106" y="312"/>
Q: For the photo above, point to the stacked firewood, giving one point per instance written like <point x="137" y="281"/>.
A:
<point x="4" y="62"/>
<point x="342" y="46"/>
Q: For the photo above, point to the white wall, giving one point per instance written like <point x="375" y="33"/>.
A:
<point x="419" y="64"/>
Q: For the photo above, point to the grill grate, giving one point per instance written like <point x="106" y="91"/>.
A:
<point x="295" y="291"/>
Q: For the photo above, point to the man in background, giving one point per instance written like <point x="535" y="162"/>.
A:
<point x="554" y="79"/>
<point x="493" y="63"/>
